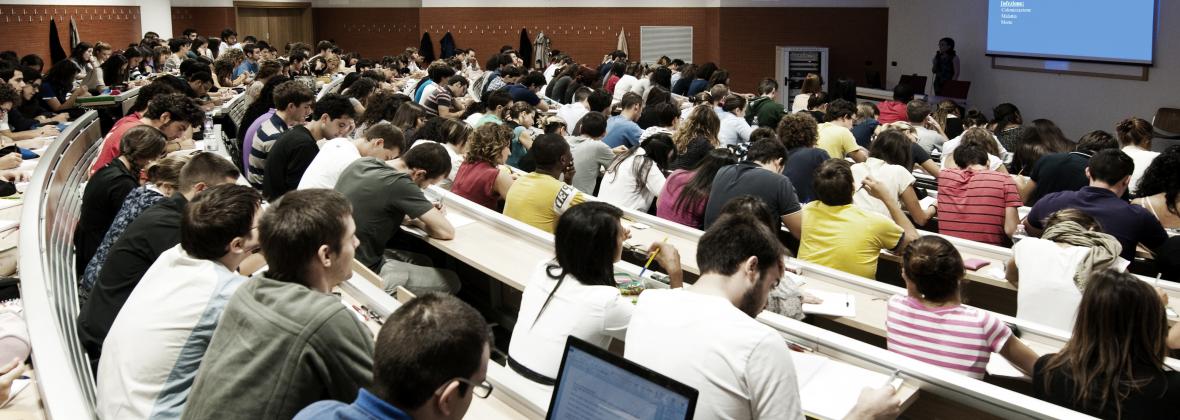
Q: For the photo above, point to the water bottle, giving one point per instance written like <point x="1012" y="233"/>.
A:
<point x="207" y="133"/>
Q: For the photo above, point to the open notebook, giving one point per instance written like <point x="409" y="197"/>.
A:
<point x="828" y="389"/>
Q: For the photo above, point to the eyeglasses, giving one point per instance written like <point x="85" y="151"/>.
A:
<point x="481" y="390"/>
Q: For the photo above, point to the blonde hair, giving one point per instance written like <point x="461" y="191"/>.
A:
<point x="165" y="173"/>
<point x="701" y="122"/>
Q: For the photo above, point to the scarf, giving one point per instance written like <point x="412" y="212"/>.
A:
<point x="1104" y="249"/>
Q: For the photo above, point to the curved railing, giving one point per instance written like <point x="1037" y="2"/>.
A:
<point x="49" y="289"/>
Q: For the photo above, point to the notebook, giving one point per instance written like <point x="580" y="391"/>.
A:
<point x="828" y="389"/>
<point x="834" y="304"/>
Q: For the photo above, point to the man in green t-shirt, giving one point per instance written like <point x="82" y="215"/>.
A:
<point x="764" y="111"/>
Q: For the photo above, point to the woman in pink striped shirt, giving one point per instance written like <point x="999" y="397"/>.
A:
<point x="932" y="325"/>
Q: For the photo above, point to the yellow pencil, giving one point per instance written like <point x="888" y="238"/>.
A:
<point x="650" y="258"/>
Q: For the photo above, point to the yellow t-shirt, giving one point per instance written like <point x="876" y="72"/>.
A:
<point x="837" y="140"/>
<point x="846" y="238"/>
<point x="539" y="199"/>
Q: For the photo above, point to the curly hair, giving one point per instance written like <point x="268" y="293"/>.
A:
<point x="487" y="142"/>
<point x="798" y="130"/>
<point x="1163" y="176"/>
<point x="701" y="122"/>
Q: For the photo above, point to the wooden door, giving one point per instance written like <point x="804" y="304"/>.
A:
<point x="277" y="23"/>
<point x="287" y="25"/>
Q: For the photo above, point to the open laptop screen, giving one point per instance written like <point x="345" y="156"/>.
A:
<point x="596" y="384"/>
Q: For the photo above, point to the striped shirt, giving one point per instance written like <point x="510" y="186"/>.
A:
<point x="260" y="147"/>
<point x="971" y="204"/>
<point x="958" y="338"/>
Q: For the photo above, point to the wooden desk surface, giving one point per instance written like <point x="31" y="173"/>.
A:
<point x="641" y="239"/>
<point x="27" y="404"/>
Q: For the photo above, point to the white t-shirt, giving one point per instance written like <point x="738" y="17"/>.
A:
<point x="734" y="130"/>
<point x="592" y="313"/>
<point x="151" y="355"/>
<point x="1047" y="292"/>
<point x="741" y="368"/>
<point x="619" y="187"/>
<point x="571" y="114"/>
<point x="624" y="85"/>
<point x="896" y="177"/>
<point x="456" y="160"/>
<point x="1143" y="159"/>
<point x="325" y="169"/>
<point x="800" y="103"/>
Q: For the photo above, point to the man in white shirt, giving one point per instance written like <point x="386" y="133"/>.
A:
<point x="151" y="355"/>
<point x="707" y="338"/>
<point x="573" y="112"/>
<point x="383" y="141"/>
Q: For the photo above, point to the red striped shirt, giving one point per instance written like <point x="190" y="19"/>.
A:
<point x="971" y="204"/>
<point x="958" y="338"/>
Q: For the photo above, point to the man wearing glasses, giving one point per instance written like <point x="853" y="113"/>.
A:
<point x="431" y="360"/>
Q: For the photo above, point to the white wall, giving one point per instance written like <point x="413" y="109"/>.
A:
<point x="155" y="16"/>
<point x="1078" y="104"/>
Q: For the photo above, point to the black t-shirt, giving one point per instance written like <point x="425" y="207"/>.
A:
<point x="1156" y="400"/>
<point x="920" y="155"/>
<point x="750" y="179"/>
<point x="1167" y="259"/>
<point x="800" y="169"/>
<point x="101" y="201"/>
<point x="289" y="158"/>
<point x="696" y="150"/>
<point x="1059" y="172"/>
<point x="155" y="230"/>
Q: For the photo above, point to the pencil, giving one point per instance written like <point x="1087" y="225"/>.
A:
<point x="650" y="258"/>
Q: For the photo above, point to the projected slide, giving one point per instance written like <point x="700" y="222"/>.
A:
<point x="1101" y="30"/>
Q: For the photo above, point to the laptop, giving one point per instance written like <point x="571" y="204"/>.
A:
<point x="593" y="384"/>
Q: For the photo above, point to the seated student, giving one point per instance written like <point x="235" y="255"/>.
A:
<point x="58" y="90"/>
<point x="696" y="136"/>
<point x="845" y="237"/>
<point x="384" y="196"/>
<point x="483" y="177"/>
<point x="522" y="117"/>
<point x="155" y="230"/>
<point x="573" y="112"/>
<point x="1159" y="188"/>
<point x="382" y="141"/>
<point x="835" y="135"/>
<point x="634" y="179"/>
<point x="980" y="138"/>
<point x="922" y="160"/>
<point x="539" y="198"/>
<point x="284" y="340"/>
<point x="421" y="376"/>
<point x="1109" y="172"/>
<point x="621" y="130"/>
<point x="664" y="117"/>
<point x="445" y="101"/>
<point x="930" y="135"/>
<point x="1065" y="171"/>
<point x="740" y="366"/>
<point x="798" y="132"/>
<point x="817" y="106"/>
<point x="765" y="111"/>
<point x="436" y="74"/>
<point x="575" y="293"/>
<point x="686" y="191"/>
<point x="107" y="188"/>
<point x="976" y="203"/>
<point x="760" y="175"/>
<point x="172" y="113"/>
<point x="162" y="180"/>
<point x="896" y="109"/>
<point x="932" y="325"/>
<point x="866" y="123"/>
<point x="1051" y="271"/>
<point x="1135" y="136"/>
<point x="890" y="163"/>
<point x="973" y="119"/>
<point x="293" y="104"/>
<point x="1007" y="123"/>
<point x="156" y="343"/>
<point x="734" y="128"/>
<point x="526" y="90"/>
<point x="9" y="98"/>
<point x="591" y="153"/>
<point x="1113" y="365"/>
<point x="294" y="149"/>
<point x="812" y="84"/>
<point x="453" y="135"/>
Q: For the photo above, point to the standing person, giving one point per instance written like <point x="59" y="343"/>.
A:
<point x="765" y="111"/>
<point x="294" y="149"/>
<point x="1113" y="365"/>
<point x="696" y="137"/>
<point x="976" y="203"/>
<point x="284" y="340"/>
<point x="798" y="132"/>
<point x="293" y="103"/>
<point x="1135" y="136"/>
<point x="945" y="64"/>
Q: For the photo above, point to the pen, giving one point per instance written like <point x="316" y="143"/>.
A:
<point x="650" y="258"/>
<point x="896" y="375"/>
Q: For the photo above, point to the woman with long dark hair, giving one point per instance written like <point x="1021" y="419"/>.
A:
<point x="60" y="90"/>
<point x="686" y="192"/>
<point x="1159" y="188"/>
<point x="576" y="293"/>
<point x="946" y="64"/>
<point x="634" y="179"/>
<point x="696" y="136"/>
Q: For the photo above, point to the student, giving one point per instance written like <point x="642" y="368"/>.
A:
<point x="812" y="84"/>
<point x="686" y="191"/>
<point x="896" y="109"/>
<point x="163" y="177"/>
<point x="526" y="91"/>
<point x="696" y="136"/>
<point x="613" y="75"/>
<point x="573" y="112"/>
<point x="172" y="113"/>
<point x="734" y="129"/>
<point x="284" y="340"/>
<point x="798" y="133"/>
<point x="890" y="163"/>
<point x="30" y="105"/>
<point x="922" y="160"/>
<point x="436" y="74"/>
<point x="976" y="203"/>
<point x="421" y="376"/>
<point x="384" y="196"/>
<point x="293" y="104"/>
<point x="621" y="130"/>
<point x="634" y="179"/>
<point x="932" y="325"/>
<point x="1051" y="272"/>
<point x="1113" y="365"/>
<point x="294" y="149"/>
<point x="382" y="141"/>
<point x="256" y="114"/>
<point x="760" y="175"/>
<point x="1031" y="146"/>
<point x="930" y="135"/>
<point x="1008" y="121"/>
<point x="58" y="92"/>
<point x="483" y="178"/>
<point x="979" y="137"/>
<point x="249" y="63"/>
<point x="701" y="82"/>
<point x="591" y="152"/>
<point x="382" y="107"/>
<point x="740" y="366"/>
<point x="629" y="82"/>
<point x="576" y="292"/>
<point x="453" y="136"/>
<point x="10" y="118"/>
<point x="443" y="101"/>
<point x="410" y="118"/>
<point x="107" y="188"/>
<point x="845" y="237"/>
<point x="521" y="118"/>
<point x="1135" y="136"/>
<point x="947" y="114"/>
<point x="764" y="111"/>
<point x="497" y="104"/>
<point x="835" y="135"/>
<point x="157" y="341"/>
<point x="1065" y="171"/>
<point x="1159" y="188"/>
<point x="540" y="197"/>
<point x="664" y="120"/>
<point x="148" y="236"/>
<point x="1109" y="172"/>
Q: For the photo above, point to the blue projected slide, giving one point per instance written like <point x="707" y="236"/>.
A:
<point x="1101" y="30"/>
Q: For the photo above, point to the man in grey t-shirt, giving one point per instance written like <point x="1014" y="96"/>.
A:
<point x="590" y="153"/>
<point x="760" y="176"/>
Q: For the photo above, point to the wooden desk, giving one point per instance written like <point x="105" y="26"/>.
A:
<point x="27" y="404"/>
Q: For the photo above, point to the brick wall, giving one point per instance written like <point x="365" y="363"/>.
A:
<point x="208" y="21"/>
<point x="371" y="32"/>
<point x="25" y="28"/>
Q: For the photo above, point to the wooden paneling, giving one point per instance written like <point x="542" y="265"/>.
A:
<point x="25" y="28"/>
<point x="208" y="21"/>
<point x="372" y="32"/>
